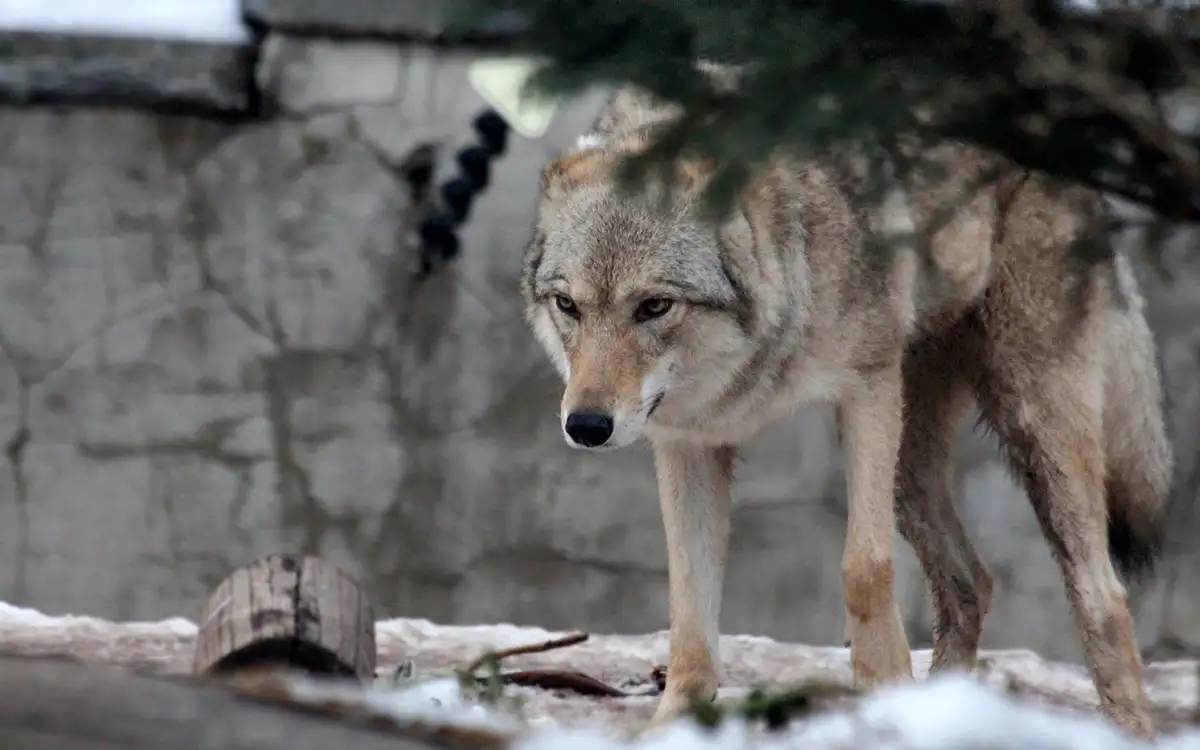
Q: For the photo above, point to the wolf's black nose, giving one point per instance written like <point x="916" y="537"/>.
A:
<point x="590" y="429"/>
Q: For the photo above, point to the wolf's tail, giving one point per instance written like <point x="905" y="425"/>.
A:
<point x="1139" y="455"/>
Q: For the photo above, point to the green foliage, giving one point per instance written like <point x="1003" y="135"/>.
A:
<point x="774" y="710"/>
<point x="487" y="687"/>
<point x="825" y="73"/>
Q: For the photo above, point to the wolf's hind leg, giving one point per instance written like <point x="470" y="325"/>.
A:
<point x="936" y="396"/>
<point x="1046" y="404"/>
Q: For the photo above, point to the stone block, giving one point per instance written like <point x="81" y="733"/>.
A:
<point x="164" y="74"/>
<point x="412" y="19"/>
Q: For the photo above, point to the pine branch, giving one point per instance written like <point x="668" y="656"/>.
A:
<point x="1076" y="95"/>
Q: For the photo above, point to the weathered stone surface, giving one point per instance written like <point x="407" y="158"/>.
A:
<point x="420" y="19"/>
<point x="309" y="76"/>
<point x="167" y="74"/>
<point x="211" y="348"/>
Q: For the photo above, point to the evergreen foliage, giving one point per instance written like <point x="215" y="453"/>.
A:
<point x="1075" y="94"/>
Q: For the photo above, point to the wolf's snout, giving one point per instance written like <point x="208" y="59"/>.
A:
<point x="589" y="429"/>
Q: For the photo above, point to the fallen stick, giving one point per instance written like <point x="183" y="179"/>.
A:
<point x="488" y="687"/>
<point x="500" y="655"/>
<point x="562" y="679"/>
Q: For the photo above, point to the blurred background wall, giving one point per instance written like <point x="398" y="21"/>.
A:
<point x="212" y="348"/>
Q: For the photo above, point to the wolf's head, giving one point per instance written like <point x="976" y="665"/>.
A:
<point x="644" y="311"/>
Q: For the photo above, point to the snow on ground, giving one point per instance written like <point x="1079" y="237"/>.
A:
<point x="11" y="616"/>
<point x="940" y="713"/>
<point x="215" y="21"/>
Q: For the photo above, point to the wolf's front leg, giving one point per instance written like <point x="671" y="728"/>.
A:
<point x="872" y="419"/>
<point x="693" y="489"/>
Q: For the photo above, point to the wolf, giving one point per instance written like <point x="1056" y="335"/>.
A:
<point x="970" y="282"/>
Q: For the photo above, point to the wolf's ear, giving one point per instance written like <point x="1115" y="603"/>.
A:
<point x="569" y="171"/>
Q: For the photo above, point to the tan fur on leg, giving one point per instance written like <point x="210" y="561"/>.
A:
<point x="1044" y="393"/>
<point x="694" y="494"/>
<point x="1051" y="431"/>
<point x="871" y="425"/>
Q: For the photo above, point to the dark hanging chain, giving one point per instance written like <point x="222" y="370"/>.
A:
<point x="449" y="208"/>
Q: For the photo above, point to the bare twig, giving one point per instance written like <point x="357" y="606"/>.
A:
<point x="531" y="648"/>
<point x="492" y="681"/>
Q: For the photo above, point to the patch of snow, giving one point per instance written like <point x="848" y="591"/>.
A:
<point x="433" y="702"/>
<point x="945" y="712"/>
<point x="21" y="617"/>
<point x="651" y="647"/>
<point x="215" y="21"/>
<point x="942" y="713"/>
<point x="496" y="636"/>
<point x="955" y="711"/>
<point x="438" y="693"/>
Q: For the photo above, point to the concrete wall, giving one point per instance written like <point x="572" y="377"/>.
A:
<point x="211" y="348"/>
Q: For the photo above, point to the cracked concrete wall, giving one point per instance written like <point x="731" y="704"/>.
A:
<point x="211" y="349"/>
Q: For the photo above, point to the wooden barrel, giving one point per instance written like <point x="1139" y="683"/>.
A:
<point x="288" y="610"/>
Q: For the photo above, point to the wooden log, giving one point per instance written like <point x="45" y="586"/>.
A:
<point x="57" y="704"/>
<point x="288" y="610"/>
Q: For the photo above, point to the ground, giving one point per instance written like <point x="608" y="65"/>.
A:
<point x="626" y="662"/>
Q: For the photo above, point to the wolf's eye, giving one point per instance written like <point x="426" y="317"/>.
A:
<point x="566" y="305"/>
<point x="655" y="307"/>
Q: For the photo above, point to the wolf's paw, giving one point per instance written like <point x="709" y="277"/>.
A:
<point x="671" y="706"/>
